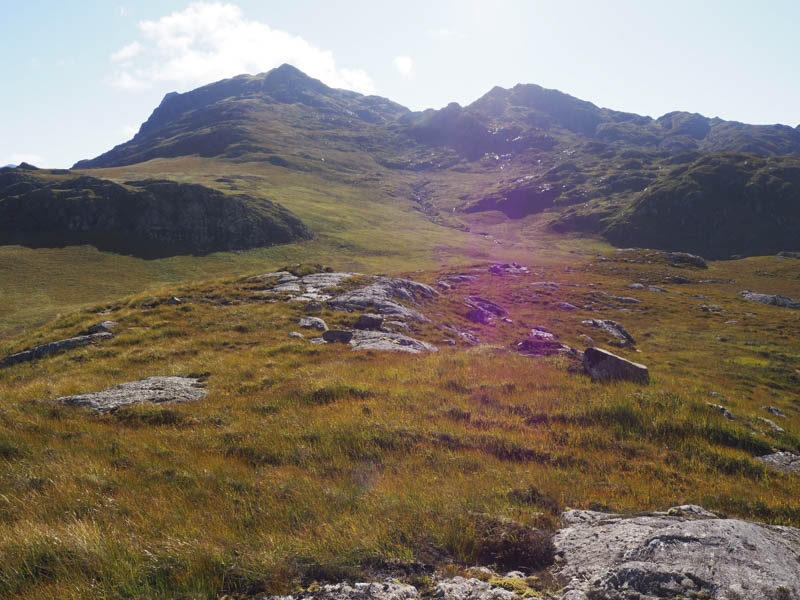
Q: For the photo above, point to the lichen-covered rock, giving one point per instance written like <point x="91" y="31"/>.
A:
<point x="602" y="365"/>
<point x="382" y="297"/>
<point x="393" y="342"/>
<point x="619" y="335"/>
<point x="357" y="591"/>
<point x="313" y="323"/>
<point x="684" y="553"/>
<point x="782" y="461"/>
<point x="152" y="389"/>
<point x="769" y="299"/>
<point x="53" y="348"/>
<point x="461" y="588"/>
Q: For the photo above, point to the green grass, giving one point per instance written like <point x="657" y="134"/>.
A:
<point x="313" y="463"/>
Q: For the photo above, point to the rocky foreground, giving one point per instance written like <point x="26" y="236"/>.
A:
<point x="685" y="552"/>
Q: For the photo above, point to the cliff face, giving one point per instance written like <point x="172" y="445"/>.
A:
<point x="173" y="217"/>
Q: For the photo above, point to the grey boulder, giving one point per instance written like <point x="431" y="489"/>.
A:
<point x="602" y="365"/>
<point x="313" y="323"/>
<point x="153" y="389"/>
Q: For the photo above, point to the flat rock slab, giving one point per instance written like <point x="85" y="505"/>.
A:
<point x="309" y="288"/>
<point x="602" y="365"/>
<point x="382" y="297"/>
<point x="782" y="461"/>
<point x="392" y="342"/>
<point x="684" y="553"/>
<point x="53" y="348"/>
<point x="153" y="389"/>
<point x="770" y="300"/>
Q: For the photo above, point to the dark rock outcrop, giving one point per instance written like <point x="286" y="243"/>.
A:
<point x="148" y="218"/>
<point x="369" y="321"/>
<point x="153" y="389"/>
<point x="342" y="336"/>
<point x="602" y="365"/>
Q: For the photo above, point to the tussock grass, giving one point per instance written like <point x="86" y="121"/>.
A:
<point x="313" y="463"/>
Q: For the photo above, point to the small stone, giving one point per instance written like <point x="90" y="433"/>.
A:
<point x="772" y="425"/>
<point x="782" y="461"/>
<point x="775" y="411"/>
<point x="565" y="306"/>
<point x="295" y="334"/>
<point x="174" y="301"/>
<point x="721" y="409"/>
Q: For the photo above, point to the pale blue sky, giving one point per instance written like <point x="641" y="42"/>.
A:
<point x="80" y="77"/>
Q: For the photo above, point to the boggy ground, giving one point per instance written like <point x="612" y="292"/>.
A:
<point x="315" y="463"/>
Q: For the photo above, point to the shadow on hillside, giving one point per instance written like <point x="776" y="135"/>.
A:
<point x="138" y="247"/>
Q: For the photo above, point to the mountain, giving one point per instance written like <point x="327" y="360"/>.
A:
<point x="9" y="166"/>
<point x="519" y="151"/>
<point x="147" y="218"/>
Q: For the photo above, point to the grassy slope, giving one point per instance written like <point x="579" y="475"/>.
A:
<point x="366" y="221"/>
<point x="310" y="462"/>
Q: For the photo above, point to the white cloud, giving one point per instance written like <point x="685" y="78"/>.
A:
<point x="210" y="41"/>
<point x="126" y="81"/>
<point x="129" y="130"/>
<point x="15" y="159"/>
<point x="405" y="65"/>
<point x="442" y="33"/>
<point x="127" y="52"/>
<point x="123" y="11"/>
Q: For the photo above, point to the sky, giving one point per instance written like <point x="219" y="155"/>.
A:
<point x="80" y="77"/>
